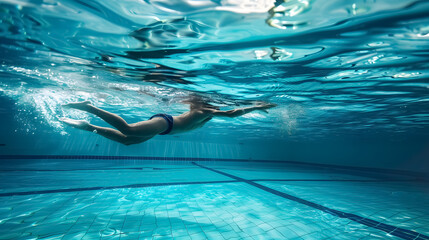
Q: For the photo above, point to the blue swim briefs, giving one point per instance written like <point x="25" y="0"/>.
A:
<point x="167" y="118"/>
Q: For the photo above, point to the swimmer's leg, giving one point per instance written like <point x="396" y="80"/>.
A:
<point x="111" y="118"/>
<point x="109" y="133"/>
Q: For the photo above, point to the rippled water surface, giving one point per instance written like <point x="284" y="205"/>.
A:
<point x="333" y="67"/>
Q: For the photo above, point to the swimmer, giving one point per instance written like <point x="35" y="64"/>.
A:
<point x="198" y="115"/>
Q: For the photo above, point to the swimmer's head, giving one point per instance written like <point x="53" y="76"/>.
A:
<point x="197" y="102"/>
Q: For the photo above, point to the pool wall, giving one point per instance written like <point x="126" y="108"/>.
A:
<point x="405" y="153"/>
<point x="411" y="155"/>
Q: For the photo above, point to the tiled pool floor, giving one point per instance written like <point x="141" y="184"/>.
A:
<point x="207" y="200"/>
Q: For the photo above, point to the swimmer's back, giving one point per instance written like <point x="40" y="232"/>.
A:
<point x="188" y="121"/>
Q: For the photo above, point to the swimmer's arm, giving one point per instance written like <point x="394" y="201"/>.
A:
<point x="241" y="111"/>
<point x="233" y="113"/>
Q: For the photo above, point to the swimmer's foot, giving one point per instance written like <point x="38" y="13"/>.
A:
<point x="80" y="124"/>
<point x="78" y="105"/>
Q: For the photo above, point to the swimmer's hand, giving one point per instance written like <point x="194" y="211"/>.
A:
<point x="78" y="105"/>
<point x="263" y="106"/>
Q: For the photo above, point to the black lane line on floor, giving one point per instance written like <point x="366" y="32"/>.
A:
<point x="184" y="159"/>
<point x="90" y="169"/>
<point x="335" y="180"/>
<point x="109" y="188"/>
<point x="257" y="180"/>
<point x="392" y="230"/>
<point x="180" y="183"/>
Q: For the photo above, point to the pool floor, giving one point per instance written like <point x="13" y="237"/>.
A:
<point x="106" y="199"/>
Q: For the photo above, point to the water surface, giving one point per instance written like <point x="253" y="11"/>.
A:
<point x="334" y="67"/>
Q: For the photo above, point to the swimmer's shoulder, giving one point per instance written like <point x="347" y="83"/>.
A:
<point x="207" y="111"/>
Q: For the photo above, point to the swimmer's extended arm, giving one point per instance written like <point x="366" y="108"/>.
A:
<point x="241" y="111"/>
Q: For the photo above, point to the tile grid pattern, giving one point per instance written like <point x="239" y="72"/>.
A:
<point x="404" y="205"/>
<point x="392" y="230"/>
<point x="227" y="211"/>
<point x="234" y="210"/>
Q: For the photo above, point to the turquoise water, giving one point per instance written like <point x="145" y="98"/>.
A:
<point x="344" y="155"/>
<point x="364" y="62"/>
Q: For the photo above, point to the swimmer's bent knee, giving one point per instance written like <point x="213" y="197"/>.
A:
<point x="127" y="130"/>
<point x="130" y="140"/>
